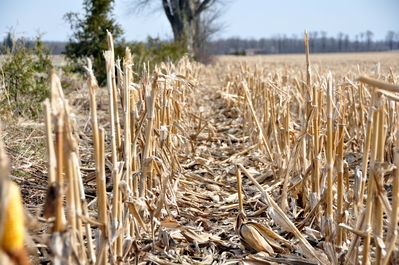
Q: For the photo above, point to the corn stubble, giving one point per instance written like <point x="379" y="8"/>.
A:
<point x="238" y="162"/>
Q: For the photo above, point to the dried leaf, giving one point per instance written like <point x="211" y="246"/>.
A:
<point x="191" y="236"/>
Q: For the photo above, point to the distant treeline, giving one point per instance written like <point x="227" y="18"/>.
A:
<point x="319" y="43"/>
<point x="56" y="47"/>
<point x="10" y="44"/>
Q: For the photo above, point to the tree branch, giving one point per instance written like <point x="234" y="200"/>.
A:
<point x="168" y="12"/>
<point x="204" y="5"/>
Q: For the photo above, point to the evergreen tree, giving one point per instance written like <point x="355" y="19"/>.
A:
<point x="89" y="38"/>
<point x="7" y="43"/>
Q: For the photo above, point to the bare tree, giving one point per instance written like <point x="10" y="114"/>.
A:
<point x="346" y="42"/>
<point x="369" y="38"/>
<point x="340" y="40"/>
<point x="188" y="19"/>
<point x="390" y="38"/>
<point x="323" y="41"/>
<point x="312" y="39"/>
<point x="206" y="27"/>
<point x="361" y="40"/>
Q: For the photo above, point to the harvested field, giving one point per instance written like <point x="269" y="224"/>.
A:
<point x="249" y="160"/>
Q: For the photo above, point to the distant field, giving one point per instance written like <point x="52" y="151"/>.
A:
<point x="58" y="60"/>
<point x="330" y="61"/>
<point x="361" y="57"/>
<point x="326" y="61"/>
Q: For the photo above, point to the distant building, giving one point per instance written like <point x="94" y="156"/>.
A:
<point x="254" y="51"/>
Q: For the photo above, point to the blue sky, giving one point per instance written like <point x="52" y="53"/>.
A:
<point x="243" y="18"/>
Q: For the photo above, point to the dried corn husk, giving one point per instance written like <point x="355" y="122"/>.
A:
<point x="258" y="237"/>
<point x="12" y="240"/>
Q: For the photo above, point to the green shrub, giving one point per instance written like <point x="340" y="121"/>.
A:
<point x="24" y="79"/>
<point x="155" y="52"/>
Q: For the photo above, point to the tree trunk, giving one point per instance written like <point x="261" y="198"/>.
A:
<point x="189" y="34"/>
<point x="183" y="16"/>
